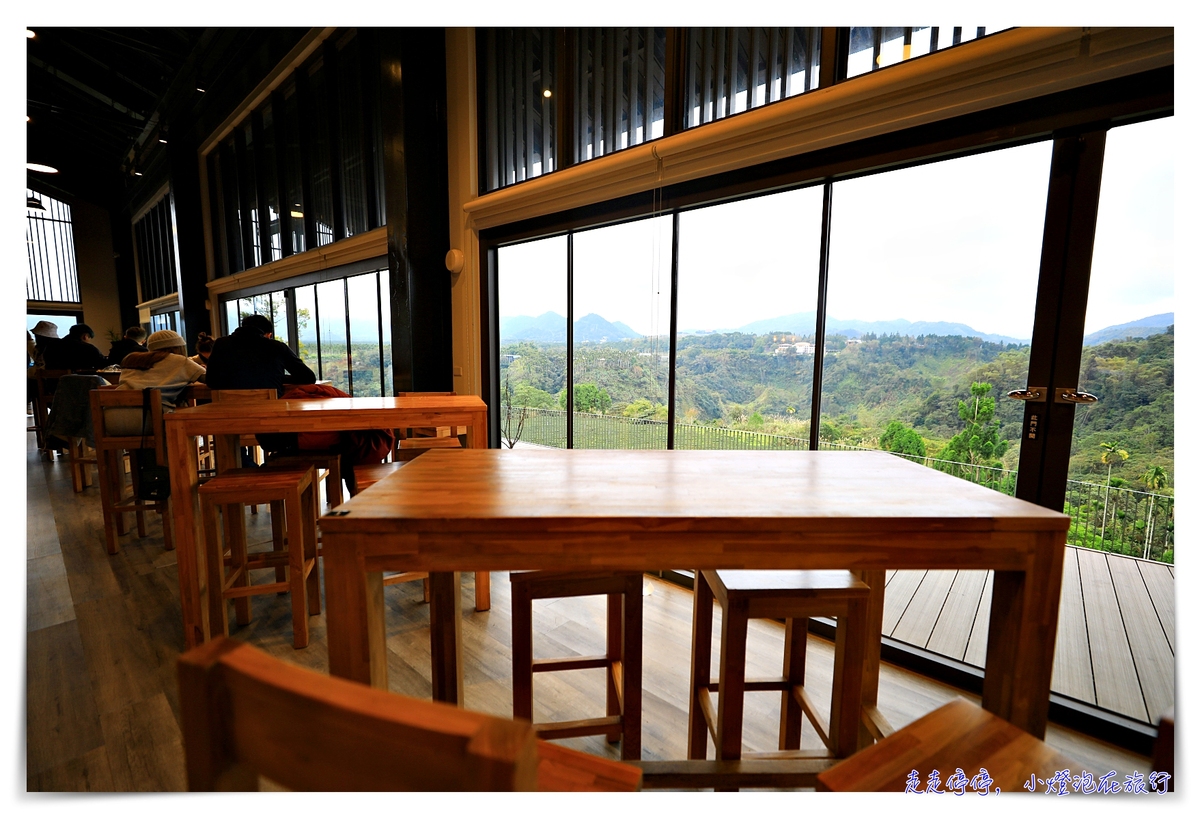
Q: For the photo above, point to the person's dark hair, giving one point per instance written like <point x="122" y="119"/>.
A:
<point x="258" y="323"/>
<point x="204" y="343"/>
<point x="79" y="330"/>
<point x="136" y="334"/>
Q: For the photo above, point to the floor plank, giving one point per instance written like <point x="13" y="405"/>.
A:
<point x="1152" y="656"/>
<point x="977" y="644"/>
<point x="957" y="619"/>
<point x="897" y="595"/>
<point x="1072" y="656"/>
<point x="61" y="716"/>
<point x="1117" y="686"/>
<point x="1161" y="585"/>
<point x="922" y="613"/>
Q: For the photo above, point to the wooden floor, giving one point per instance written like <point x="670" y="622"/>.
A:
<point x="1116" y="627"/>
<point x="104" y="633"/>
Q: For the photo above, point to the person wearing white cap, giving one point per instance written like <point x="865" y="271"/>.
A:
<point x="164" y="366"/>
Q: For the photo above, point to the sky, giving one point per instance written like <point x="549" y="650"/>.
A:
<point x="958" y="240"/>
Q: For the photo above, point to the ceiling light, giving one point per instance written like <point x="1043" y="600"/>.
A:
<point x="40" y="168"/>
<point x="28" y="118"/>
<point x="29" y="35"/>
<point x="296" y="214"/>
<point x="34" y="203"/>
<point x="198" y="88"/>
<point x="546" y="93"/>
<point x="163" y="141"/>
<point x="137" y="173"/>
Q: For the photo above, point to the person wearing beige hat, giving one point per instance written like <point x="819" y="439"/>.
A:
<point x="164" y="366"/>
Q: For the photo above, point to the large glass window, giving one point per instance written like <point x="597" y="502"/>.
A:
<point x="350" y="139"/>
<point x="293" y="186"/>
<point x="521" y="100"/>
<point x="875" y="48"/>
<point x="50" y="246"/>
<point x="270" y="186"/>
<point x="619" y="78"/>
<point x="746" y="323"/>
<point x="155" y="248"/>
<point x="250" y="194"/>
<point x="320" y="162"/>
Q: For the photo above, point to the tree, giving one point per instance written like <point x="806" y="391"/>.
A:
<point x="1155" y="479"/>
<point x="979" y="443"/>
<point x="510" y="427"/>
<point x="531" y="396"/>
<point x="1109" y="454"/>
<point x="588" y="398"/>
<point x="899" y="438"/>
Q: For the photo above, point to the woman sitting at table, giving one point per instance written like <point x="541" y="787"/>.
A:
<point x="164" y="366"/>
<point x="204" y="345"/>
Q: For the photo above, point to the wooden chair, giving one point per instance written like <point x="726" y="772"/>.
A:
<point x="291" y="491"/>
<point x="622" y="660"/>
<point x="958" y="735"/>
<point x="70" y="421"/>
<point x="110" y="463"/>
<point x="246" y="714"/>
<point x="413" y="441"/>
<point x="1163" y="757"/>
<point x="47" y="380"/>
<point x="793" y="596"/>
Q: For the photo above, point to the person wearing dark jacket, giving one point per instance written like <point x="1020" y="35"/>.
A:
<point x="251" y="358"/>
<point x="132" y="342"/>
<point x="75" y="352"/>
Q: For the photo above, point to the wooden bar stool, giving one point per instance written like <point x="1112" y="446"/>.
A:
<point x="622" y="660"/>
<point x="793" y="596"/>
<point x="292" y="487"/>
<point x="957" y="736"/>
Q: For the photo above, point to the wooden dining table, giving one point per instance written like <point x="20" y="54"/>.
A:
<point x="534" y="508"/>
<point x="227" y="421"/>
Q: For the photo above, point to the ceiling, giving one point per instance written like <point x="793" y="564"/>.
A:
<point x="93" y="94"/>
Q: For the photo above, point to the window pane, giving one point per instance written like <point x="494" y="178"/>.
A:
<point x="875" y="48"/>
<point x="730" y="70"/>
<point x="331" y="319"/>
<point x="350" y="113"/>
<point x="619" y="93"/>
<point x="747" y="318"/>
<point x="1121" y="491"/>
<point x="932" y="280"/>
<point x="322" y="186"/>
<point x="306" y="326"/>
<point x="363" y="292"/>
<point x="251" y="196"/>
<point x="521" y="100"/>
<point x="292" y="185"/>
<point x="622" y="289"/>
<point x="532" y="293"/>
<point x="389" y="387"/>
<point x="268" y="162"/>
<point x="50" y="246"/>
<point x="231" y="203"/>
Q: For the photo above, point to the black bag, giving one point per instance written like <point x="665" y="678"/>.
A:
<point x="154" y="481"/>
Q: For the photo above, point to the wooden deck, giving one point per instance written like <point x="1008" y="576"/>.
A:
<point x="1116" y="627"/>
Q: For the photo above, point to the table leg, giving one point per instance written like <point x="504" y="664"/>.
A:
<point x="182" y="461"/>
<point x="483" y="590"/>
<point x="1021" y="635"/>
<point x="873" y="724"/>
<point x="445" y="635"/>
<point x="354" y="616"/>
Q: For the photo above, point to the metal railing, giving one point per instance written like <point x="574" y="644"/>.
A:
<point x="1106" y="518"/>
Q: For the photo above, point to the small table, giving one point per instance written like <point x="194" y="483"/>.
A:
<point x="492" y="509"/>
<point x="227" y="421"/>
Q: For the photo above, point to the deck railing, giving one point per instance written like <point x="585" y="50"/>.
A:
<point x="1107" y="518"/>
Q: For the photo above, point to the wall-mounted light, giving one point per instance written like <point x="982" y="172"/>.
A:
<point x="455" y="260"/>
<point x="29" y="34"/>
<point x="296" y="214"/>
<point x="34" y="166"/>
<point x="137" y="173"/>
<point x="34" y="203"/>
<point x="546" y="93"/>
<point x="162" y="139"/>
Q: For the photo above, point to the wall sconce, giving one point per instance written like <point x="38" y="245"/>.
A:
<point x="455" y="260"/>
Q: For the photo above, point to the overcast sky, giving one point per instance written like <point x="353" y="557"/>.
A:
<point x="950" y="241"/>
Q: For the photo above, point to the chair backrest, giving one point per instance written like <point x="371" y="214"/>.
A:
<point x="246" y="713"/>
<point x="47" y="379"/>
<point x="110" y="397"/>
<point x="218" y="395"/>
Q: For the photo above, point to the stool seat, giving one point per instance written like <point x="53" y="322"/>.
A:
<point x="793" y="596"/>
<point x="958" y="735"/>
<point x="622" y="660"/>
<point x="291" y="491"/>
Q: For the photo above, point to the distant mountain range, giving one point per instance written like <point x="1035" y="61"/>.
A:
<point x="550" y="327"/>
<point x="1140" y="328"/>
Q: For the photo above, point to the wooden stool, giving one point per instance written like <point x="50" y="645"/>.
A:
<point x="792" y="596"/>
<point x="295" y="489"/>
<point x="328" y="465"/>
<point x="957" y="736"/>
<point x="622" y="660"/>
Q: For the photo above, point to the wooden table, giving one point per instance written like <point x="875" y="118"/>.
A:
<point x="226" y="421"/>
<point x="493" y="509"/>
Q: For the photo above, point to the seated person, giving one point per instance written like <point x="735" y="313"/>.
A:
<point x="251" y="358"/>
<point x="75" y="352"/>
<point x="132" y="342"/>
<point x="204" y="345"/>
<point x="164" y="366"/>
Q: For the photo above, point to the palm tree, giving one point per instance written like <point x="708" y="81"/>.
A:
<point x="1155" y="479"/>
<point x="1109" y="455"/>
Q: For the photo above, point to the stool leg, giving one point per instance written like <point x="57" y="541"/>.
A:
<point x="236" y="525"/>
<point x="876" y="579"/>
<point x="522" y="652"/>
<point x="702" y="619"/>
<point x="483" y="590"/>
<point x="313" y="579"/>
<point x="850" y="648"/>
<point x="168" y="535"/>
<point x="614" y="637"/>
<point x="296" y="511"/>
<point x="214" y="551"/>
<point x="795" y="650"/>
<point x="278" y="542"/>
<point x="732" y="682"/>
<point x="631" y="649"/>
<point x="109" y="494"/>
